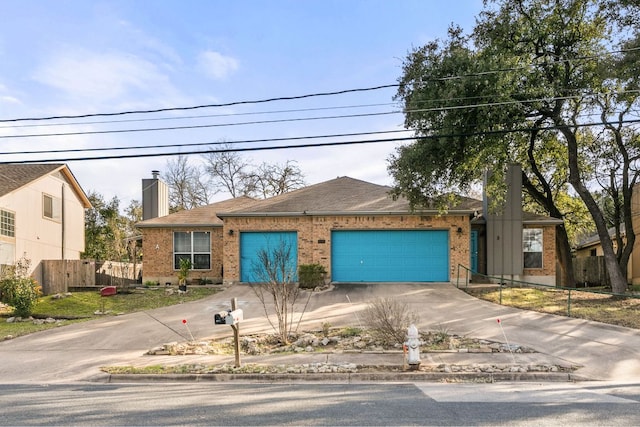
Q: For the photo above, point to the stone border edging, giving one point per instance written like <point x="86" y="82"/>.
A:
<point x="348" y="378"/>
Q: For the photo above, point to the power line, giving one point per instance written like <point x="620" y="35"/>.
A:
<point x="247" y="141"/>
<point x="196" y="107"/>
<point x="255" y="122"/>
<point x="312" y="145"/>
<point x="202" y="116"/>
<point x="311" y="95"/>
<point x="345" y="116"/>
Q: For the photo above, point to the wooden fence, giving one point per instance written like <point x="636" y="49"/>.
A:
<point x="58" y="276"/>
<point x="111" y="273"/>
<point x="590" y="271"/>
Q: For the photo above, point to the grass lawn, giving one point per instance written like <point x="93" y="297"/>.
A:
<point x="82" y="306"/>
<point x="583" y="305"/>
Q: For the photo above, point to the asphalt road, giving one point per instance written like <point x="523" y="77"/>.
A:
<point x="230" y="404"/>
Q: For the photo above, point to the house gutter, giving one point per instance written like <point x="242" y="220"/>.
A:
<point x="180" y="225"/>
<point x="341" y="213"/>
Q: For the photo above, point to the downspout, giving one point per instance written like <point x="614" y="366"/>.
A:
<point x="63" y="241"/>
<point x="62" y="231"/>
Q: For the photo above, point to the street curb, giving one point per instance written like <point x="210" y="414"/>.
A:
<point x="348" y="378"/>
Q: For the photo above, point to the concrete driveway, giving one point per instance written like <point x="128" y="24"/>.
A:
<point x="75" y="352"/>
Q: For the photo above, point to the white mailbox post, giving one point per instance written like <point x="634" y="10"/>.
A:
<point x="232" y="318"/>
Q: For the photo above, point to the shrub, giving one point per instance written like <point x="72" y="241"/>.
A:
<point x="185" y="268"/>
<point x="18" y="290"/>
<point x="350" y="331"/>
<point x="389" y="319"/>
<point x="311" y="275"/>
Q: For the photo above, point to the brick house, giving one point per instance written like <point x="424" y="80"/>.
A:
<point x="353" y="228"/>
<point x="196" y="234"/>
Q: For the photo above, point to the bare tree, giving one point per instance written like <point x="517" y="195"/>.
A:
<point x="275" y="272"/>
<point x="270" y="180"/>
<point x="227" y="170"/>
<point x="186" y="188"/>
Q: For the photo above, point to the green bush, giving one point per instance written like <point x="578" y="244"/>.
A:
<point x="311" y="275"/>
<point x="18" y="290"/>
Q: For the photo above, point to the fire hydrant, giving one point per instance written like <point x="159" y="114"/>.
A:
<point x="413" y="347"/>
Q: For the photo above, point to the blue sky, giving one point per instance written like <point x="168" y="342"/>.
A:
<point x="84" y="57"/>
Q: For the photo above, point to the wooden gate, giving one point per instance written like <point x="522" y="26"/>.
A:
<point x="59" y="275"/>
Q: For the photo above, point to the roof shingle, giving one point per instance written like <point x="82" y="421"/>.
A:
<point x="15" y="176"/>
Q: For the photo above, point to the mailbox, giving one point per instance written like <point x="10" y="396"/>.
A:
<point x="219" y="318"/>
<point x="233" y="317"/>
<point x="228" y="317"/>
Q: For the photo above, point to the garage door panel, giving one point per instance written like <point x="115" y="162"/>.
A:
<point x="390" y="255"/>
<point x="251" y="243"/>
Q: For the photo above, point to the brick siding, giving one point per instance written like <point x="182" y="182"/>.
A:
<point x="314" y="235"/>
<point x="157" y="252"/>
<point x="549" y="258"/>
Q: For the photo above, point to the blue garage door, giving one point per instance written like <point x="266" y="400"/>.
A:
<point x="251" y="243"/>
<point x="390" y="256"/>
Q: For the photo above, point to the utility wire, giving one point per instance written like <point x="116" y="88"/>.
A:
<point x="255" y="122"/>
<point x="299" y="119"/>
<point x="311" y="95"/>
<point x="203" y="116"/>
<point x="246" y="141"/>
<point x="312" y="145"/>
<point x="196" y="107"/>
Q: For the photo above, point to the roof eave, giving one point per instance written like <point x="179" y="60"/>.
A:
<point x="342" y="213"/>
<point x="179" y="225"/>
<point x="550" y="221"/>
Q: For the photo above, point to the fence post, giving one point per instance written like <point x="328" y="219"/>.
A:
<point x="569" y="304"/>
<point x="458" y="278"/>
<point x="501" y="281"/>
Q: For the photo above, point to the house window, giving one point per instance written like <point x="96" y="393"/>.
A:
<point x="593" y="252"/>
<point x="51" y="207"/>
<point x="7" y="223"/>
<point x="532" y="247"/>
<point x="194" y="246"/>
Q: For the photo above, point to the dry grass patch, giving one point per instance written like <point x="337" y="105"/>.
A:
<point x="599" y="307"/>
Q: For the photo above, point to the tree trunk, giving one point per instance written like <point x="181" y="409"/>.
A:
<point x="618" y="280"/>
<point x="563" y="250"/>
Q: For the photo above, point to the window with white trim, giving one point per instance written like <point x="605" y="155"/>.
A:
<point x="51" y="207"/>
<point x="7" y="223"/>
<point x="194" y="246"/>
<point x="532" y="247"/>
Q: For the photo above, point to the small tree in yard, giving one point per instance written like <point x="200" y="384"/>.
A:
<point x="388" y="320"/>
<point x="18" y="289"/>
<point x="274" y="272"/>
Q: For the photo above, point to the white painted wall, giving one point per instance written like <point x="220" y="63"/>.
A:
<point x="37" y="237"/>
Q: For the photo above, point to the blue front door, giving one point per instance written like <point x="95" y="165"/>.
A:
<point x="474" y="251"/>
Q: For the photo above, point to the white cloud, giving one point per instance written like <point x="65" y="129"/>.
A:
<point x="216" y="65"/>
<point x="101" y="76"/>
<point x="9" y="99"/>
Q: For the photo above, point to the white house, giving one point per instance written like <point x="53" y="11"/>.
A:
<point x="42" y="209"/>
